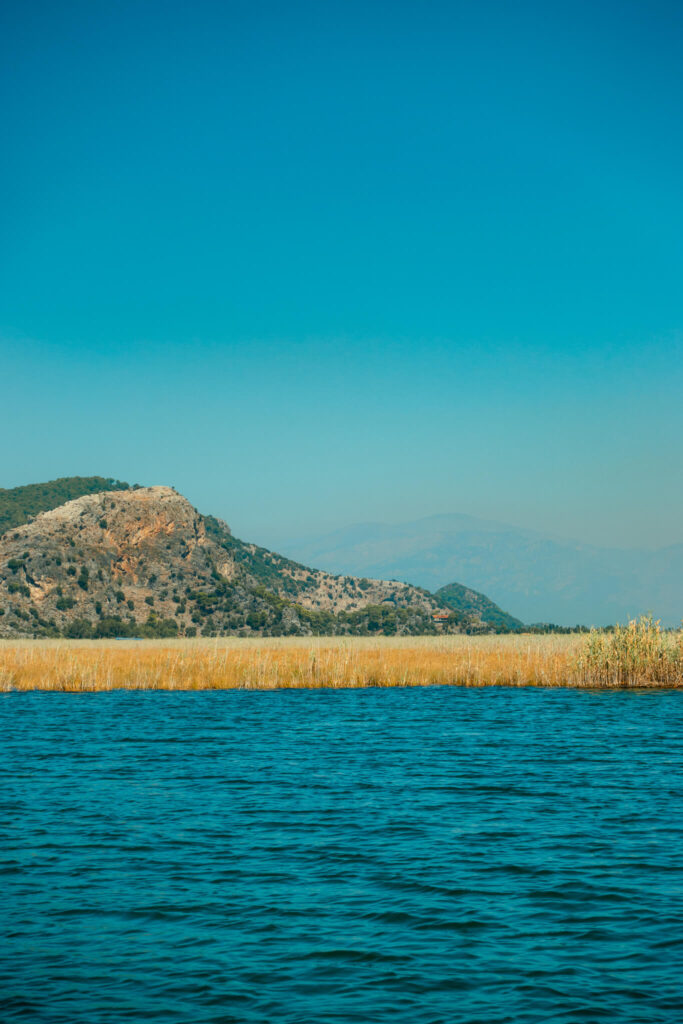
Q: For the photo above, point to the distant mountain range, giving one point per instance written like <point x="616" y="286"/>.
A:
<point x="93" y="557"/>
<point x="535" y="577"/>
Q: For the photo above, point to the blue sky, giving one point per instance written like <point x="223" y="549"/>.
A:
<point x="321" y="263"/>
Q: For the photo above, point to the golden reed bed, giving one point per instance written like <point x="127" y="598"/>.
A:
<point x="267" y="664"/>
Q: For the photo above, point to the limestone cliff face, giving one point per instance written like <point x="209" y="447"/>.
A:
<point x="146" y="555"/>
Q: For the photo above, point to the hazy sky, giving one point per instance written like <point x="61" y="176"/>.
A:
<point x="315" y="264"/>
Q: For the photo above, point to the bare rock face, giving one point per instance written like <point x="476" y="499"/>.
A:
<point x="115" y="553"/>
<point x="146" y="556"/>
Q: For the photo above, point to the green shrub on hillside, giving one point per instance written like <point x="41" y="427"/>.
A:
<point x="18" y="588"/>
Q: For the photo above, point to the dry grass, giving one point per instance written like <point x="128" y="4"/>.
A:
<point x="637" y="655"/>
<point x="267" y="664"/>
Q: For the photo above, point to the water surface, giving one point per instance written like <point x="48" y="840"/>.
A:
<point x="410" y="855"/>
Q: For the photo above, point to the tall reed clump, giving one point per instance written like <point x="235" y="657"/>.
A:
<point x="639" y="654"/>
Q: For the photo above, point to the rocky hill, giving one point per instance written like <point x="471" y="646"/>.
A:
<point x="142" y="561"/>
<point x="473" y="604"/>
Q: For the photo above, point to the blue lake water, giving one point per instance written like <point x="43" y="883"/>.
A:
<point x="409" y="855"/>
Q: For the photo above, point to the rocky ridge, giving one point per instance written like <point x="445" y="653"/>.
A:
<point x="143" y="561"/>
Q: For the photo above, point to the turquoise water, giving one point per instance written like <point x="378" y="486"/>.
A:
<point x="410" y="855"/>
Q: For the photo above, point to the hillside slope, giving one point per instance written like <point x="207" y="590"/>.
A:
<point x="145" y="562"/>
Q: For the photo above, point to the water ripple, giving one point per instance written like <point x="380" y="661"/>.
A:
<point x="419" y="856"/>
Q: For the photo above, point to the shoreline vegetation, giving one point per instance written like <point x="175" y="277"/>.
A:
<point x="640" y="654"/>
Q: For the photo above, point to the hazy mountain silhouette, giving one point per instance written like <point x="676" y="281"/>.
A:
<point x="536" y="577"/>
